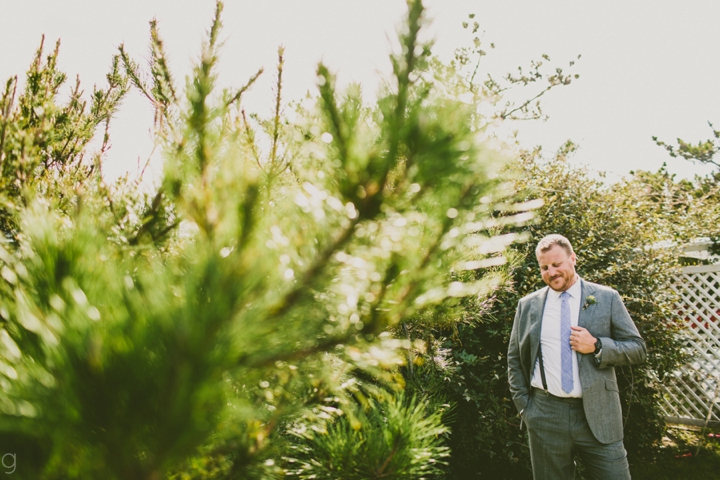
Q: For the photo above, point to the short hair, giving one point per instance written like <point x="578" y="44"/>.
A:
<point x="549" y="241"/>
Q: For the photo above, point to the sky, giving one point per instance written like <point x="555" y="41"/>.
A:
<point x="646" y="68"/>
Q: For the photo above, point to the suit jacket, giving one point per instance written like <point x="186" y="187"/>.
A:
<point x="607" y="319"/>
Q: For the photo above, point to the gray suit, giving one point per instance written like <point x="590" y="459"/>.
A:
<point x="607" y="319"/>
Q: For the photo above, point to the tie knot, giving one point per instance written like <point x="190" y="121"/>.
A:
<point x="564" y="295"/>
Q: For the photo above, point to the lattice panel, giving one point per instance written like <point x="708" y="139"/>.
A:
<point x="692" y="392"/>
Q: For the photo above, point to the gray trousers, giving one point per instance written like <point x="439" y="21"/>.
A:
<point x="557" y="429"/>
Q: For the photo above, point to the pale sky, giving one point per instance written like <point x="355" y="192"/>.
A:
<point x="647" y="67"/>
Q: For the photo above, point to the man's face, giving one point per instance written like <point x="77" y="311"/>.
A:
<point x="557" y="268"/>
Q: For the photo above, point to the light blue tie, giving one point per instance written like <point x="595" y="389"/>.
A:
<point x="565" y="350"/>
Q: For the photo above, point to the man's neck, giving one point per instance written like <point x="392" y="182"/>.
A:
<point x="575" y="280"/>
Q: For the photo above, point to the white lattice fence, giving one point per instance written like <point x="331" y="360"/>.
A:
<point x="692" y="392"/>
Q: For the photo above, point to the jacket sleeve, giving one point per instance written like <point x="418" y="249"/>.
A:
<point x="626" y="346"/>
<point x="519" y="387"/>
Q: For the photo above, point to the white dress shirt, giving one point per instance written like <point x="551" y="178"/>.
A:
<point x="550" y="343"/>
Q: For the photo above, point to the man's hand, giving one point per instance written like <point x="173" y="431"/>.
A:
<point x="581" y="340"/>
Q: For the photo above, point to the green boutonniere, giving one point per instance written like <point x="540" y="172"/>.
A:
<point x="590" y="300"/>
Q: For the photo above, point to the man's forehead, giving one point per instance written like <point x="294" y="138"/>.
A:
<point x="552" y="255"/>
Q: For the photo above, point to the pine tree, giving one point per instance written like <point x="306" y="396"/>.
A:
<point x="182" y="333"/>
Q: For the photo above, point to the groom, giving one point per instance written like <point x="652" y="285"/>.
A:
<point x="566" y="340"/>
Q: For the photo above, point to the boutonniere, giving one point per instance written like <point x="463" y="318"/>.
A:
<point x="590" y="300"/>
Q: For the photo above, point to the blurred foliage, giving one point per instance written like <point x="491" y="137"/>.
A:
<point x="189" y="332"/>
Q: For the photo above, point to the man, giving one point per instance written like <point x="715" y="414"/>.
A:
<point x="566" y="340"/>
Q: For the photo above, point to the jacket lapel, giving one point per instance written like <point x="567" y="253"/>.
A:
<point x="587" y="290"/>
<point x="536" y="314"/>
